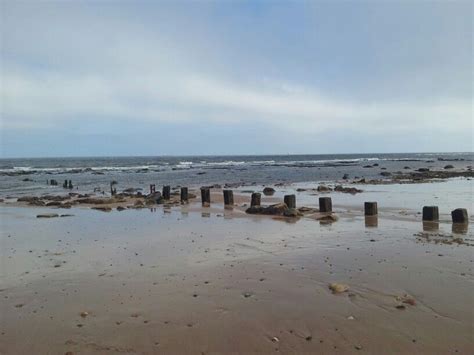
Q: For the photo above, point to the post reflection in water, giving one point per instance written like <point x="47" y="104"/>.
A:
<point x="460" y="228"/>
<point x="430" y="226"/>
<point x="371" y="221"/>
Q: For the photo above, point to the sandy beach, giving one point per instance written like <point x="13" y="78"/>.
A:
<point x="204" y="280"/>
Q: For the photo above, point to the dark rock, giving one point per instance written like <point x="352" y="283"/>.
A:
<point x="268" y="191"/>
<point x="292" y="212"/>
<point x="28" y="199"/>
<point x="423" y="170"/>
<point x="276" y="210"/>
<point x="345" y="177"/>
<point x="322" y="188"/>
<point x="385" y="173"/>
<point x="102" y="208"/>
<point x="449" y="167"/>
<point x="350" y="190"/>
<point x="47" y="215"/>
<point x="154" y="197"/>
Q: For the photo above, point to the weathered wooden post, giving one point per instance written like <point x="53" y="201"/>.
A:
<point x="430" y="213"/>
<point x="152" y="189"/>
<point x="184" y="195"/>
<point x="65" y="184"/>
<point x="256" y="199"/>
<point x="70" y="184"/>
<point x="166" y="192"/>
<point x="290" y="201"/>
<point x="370" y="208"/>
<point x="459" y="215"/>
<point x="228" y="197"/>
<point x="205" y="196"/>
<point x="325" y="204"/>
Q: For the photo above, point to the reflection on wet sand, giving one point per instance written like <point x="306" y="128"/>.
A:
<point x="430" y="226"/>
<point x="460" y="228"/>
<point x="371" y="221"/>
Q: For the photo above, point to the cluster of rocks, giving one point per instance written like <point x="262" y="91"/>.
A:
<point x="337" y="188"/>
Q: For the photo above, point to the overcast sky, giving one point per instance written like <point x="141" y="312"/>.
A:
<point x="235" y="77"/>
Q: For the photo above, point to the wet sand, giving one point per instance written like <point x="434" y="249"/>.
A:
<point x="187" y="279"/>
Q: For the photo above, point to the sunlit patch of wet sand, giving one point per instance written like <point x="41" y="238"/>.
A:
<point x="207" y="280"/>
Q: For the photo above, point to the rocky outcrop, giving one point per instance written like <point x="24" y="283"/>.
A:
<point x="349" y="190"/>
<point x="274" y="210"/>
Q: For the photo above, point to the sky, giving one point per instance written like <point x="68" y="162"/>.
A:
<point x="120" y="78"/>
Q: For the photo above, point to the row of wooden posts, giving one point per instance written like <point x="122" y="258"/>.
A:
<point x="430" y="213"/>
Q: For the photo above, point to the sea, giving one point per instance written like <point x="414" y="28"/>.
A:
<point x="31" y="176"/>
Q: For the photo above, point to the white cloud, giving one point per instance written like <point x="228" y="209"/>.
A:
<point x="51" y="98"/>
<point x="75" y="64"/>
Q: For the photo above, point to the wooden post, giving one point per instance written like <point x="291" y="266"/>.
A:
<point x="290" y="201"/>
<point x="152" y="189"/>
<point x="70" y="184"/>
<point x="228" y="198"/>
<point x="205" y="196"/>
<point x="370" y="208"/>
<point x="430" y="213"/>
<point x="166" y="192"/>
<point x="256" y="199"/>
<point x="65" y="184"/>
<point x="325" y="204"/>
<point x="184" y="195"/>
<point x="459" y="215"/>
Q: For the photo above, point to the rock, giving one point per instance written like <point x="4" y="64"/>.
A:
<point x="96" y="201"/>
<point x="53" y="203"/>
<point x="120" y="208"/>
<point x="345" y="177"/>
<point x="275" y="210"/>
<point x="28" y="199"/>
<point x="367" y="166"/>
<point x="350" y="190"/>
<point x="138" y="204"/>
<point x="323" y="188"/>
<point x="47" y="215"/>
<point x="102" y="208"/>
<point x="327" y="218"/>
<point x="268" y="191"/>
<point x="338" y="288"/>
<point x="307" y="210"/>
<point x="292" y="212"/>
<point x="449" y="167"/>
<point x="423" y="170"/>
<point x="385" y="173"/>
